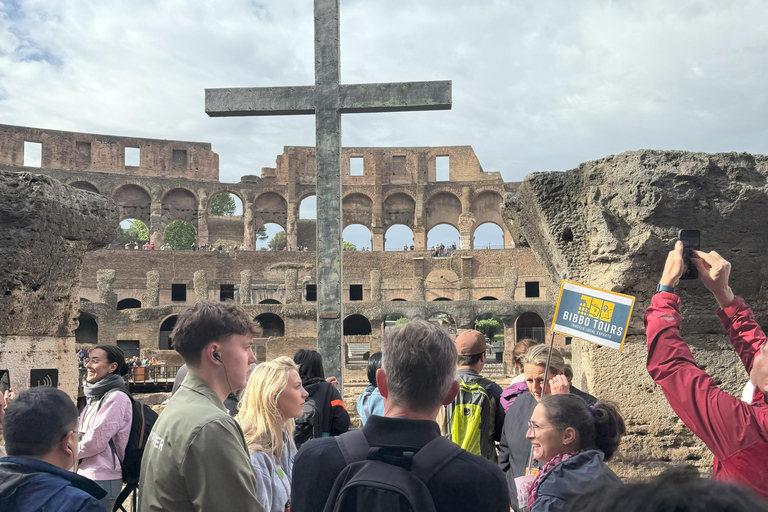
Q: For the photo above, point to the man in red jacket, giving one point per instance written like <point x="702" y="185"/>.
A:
<point x="736" y="432"/>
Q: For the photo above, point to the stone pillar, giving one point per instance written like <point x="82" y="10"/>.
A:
<point x="465" y="288"/>
<point x="377" y="239"/>
<point x="292" y="294"/>
<point x="466" y="221"/>
<point x="156" y="223"/>
<point x="510" y="283"/>
<point x="202" y="220"/>
<point x="375" y="285"/>
<point x="200" y="284"/>
<point x="105" y="278"/>
<point x="41" y="273"/>
<point x="417" y="286"/>
<point x="245" y="287"/>
<point x="291" y="231"/>
<point x="420" y="239"/>
<point x="151" y="298"/>
<point x="249" y="228"/>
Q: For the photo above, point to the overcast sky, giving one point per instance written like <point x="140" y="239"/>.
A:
<point x="538" y="85"/>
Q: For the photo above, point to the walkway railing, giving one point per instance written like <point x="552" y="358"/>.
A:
<point x="152" y="378"/>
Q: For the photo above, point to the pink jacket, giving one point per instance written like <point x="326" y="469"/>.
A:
<point x="112" y="421"/>
<point x="735" y="432"/>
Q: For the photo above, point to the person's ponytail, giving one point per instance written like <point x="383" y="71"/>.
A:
<point x="609" y="428"/>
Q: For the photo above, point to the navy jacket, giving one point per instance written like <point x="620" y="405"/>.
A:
<point x="572" y="477"/>
<point x="28" y="485"/>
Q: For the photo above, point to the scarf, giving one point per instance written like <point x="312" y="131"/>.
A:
<point x="557" y="459"/>
<point x="95" y="390"/>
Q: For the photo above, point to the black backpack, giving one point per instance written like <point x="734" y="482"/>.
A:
<point x="142" y="421"/>
<point x="308" y="426"/>
<point x="376" y="481"/>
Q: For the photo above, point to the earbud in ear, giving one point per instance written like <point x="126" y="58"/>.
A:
<point x="216" y="356"/>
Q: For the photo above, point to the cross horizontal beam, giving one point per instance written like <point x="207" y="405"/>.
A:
<point x="353" y="98"/>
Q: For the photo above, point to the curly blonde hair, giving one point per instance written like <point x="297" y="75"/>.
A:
<point x="259" y="415"/>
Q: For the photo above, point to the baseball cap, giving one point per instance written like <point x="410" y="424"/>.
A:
<point x="470" y="343"/>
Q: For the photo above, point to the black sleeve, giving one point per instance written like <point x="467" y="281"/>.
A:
<point x="340" y="421"/>
<point x="503" y="451"/>
<point x="494" y="392"/>
<point x="315" y="468"/>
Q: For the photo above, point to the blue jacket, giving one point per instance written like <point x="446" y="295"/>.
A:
<point x="31" y="485"/>
<point x="572" y="477"/>
<point x="370" y="403"/>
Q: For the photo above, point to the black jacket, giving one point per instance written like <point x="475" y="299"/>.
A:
<point x="30" y="484"/>
<point x="334" y="419"/>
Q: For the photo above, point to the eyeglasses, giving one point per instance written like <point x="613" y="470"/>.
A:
<point x="532" y="427"/>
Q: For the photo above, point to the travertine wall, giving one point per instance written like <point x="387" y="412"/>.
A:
<point x="610" y="224"/>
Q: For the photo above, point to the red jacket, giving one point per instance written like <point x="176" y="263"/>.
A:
<point x="735" y="432"/>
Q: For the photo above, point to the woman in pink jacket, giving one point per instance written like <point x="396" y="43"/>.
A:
<point x="105" y="423"/>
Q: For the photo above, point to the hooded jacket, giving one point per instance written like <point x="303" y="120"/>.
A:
<point x="334" y="419"/>
<point x="572" y="477"/>
<point x="30" y="484"/>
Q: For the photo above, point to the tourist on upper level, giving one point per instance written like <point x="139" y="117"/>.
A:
<point x="326" y="415"/>
<point x="105" y="423"/>
<point x="572" y="440"/>
<point x="273" y="399"/>
<point x="41" y="439"/>
<point x="515" y="447"/>
<point x="735" y="431"/>
<point x="370" y="402"/>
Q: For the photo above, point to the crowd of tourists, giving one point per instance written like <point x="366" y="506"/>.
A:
<point x="436" y="434"/>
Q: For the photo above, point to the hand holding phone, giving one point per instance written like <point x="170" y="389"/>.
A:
<point x="691" y="239"/>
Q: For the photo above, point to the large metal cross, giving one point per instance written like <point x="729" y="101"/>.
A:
<point x="327" y="100"/>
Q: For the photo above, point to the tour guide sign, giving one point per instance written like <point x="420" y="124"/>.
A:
<point x="594" y="315"/>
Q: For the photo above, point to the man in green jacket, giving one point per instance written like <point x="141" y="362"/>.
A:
<point x="196" y="458"/>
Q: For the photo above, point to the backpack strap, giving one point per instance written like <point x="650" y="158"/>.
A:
<point x="433" y="457"/>
<point x="354" y="446"/>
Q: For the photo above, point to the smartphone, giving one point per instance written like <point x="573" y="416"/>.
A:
<point x="691" y="239"/>
<point x="5" y="381"/>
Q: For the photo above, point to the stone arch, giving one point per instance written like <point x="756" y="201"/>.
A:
<point x="443" y="208"/>
<point x="87" y="329"/>
<point x="398" y="300"/>
<point x="497" y="340"/>
<point x="438" y="299"/>
<point x="354" y="232"/>
<point x="488" y="297"/>
<point x="166" y="327"/>
<point x="272" y="326"/>
<point x="173" y="222"/>
<point x="489" y="233"/>
<point x="306" y="226"/>
<point x="133" y="202"/>
<point x="128" y="304"/>
<point x="85" y="185"/>
<point x="307" y="213"/>
<point x="270" y="301"/>
<point x="230" y="192"/>
<point x="399" y="208"/>
<point x="530" y="325"/>
<point x="399" y="231"/>
<point x="179" y="204"/>
<point x="443" y="233"/>
<point x="444" y="321"/>
<point x="270" y="207"/>
<point x="357" y="325"/>
<point x="357" y="208"/>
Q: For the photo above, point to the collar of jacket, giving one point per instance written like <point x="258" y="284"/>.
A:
<point x="20" y="469"/>
<point x="201" y="387"/>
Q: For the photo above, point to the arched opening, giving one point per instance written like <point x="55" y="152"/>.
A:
<point x="488" y="236"/>
<point x="272" y="326"/>
<point x="308" y="208"/>
<point x="180" y="236"/>
<point x="356" y="325"/>
<point x="493" y="329"/>
<point x="87" y="329"/>
<point x="180" y="203"/>
<point x="356" y="237"/>
<point x="441" y="299"/>
<point x="225" y="204"/>
<point x="398" y="238"/>
<point x="270" y="301"/>
<point x="131" y="233"/>
<point x="271" y="237"/>
<point x="270" y="207"/>
<point x="445" y="322"/>
<point x="165" y="342"/>
<point x="397" y="300"/>
<point x="443" y="238"/>
<point x="133" y="202"/>
<point x="487" y="297"/>
<point x="530" y="325"/>
<point x="84" y="300"/>
<point x="85" y="185"/>
<point x="128" y="304"/>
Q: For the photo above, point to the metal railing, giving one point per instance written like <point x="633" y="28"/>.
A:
<point x="154" y="377"/>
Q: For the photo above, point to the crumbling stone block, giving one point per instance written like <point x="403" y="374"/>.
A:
<point x="200" y="284"/>
<point x="105" y="279"/>
<point x="152" y="297"/>
<point x="245" y="286"/>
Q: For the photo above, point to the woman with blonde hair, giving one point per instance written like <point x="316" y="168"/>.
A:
<point x="273" y="399"/>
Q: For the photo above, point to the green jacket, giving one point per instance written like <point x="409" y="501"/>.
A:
<point x="196" y="458"/>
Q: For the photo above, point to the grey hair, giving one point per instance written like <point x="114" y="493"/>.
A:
<point x="419" y="360"/>
<point x="537" y="356"/>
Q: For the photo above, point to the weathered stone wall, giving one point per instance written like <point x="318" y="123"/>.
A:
<point x="610" y="224"/>
<point x="45" y="230"/>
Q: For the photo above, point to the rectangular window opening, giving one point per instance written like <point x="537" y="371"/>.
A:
<point x="132" y="157"/>
<point x="311" y="293"/>
<point x="226" y="292"/>
<point x="355" y="292"/>
<point x="129" y="347"/>
<point x="179" y="292"/>
<point x="33" y="154"/>
<point x="356" y="166"/>
<point x="531" y="289"/>
<point x="179" y="159"/>
<point x="82" y="154"/>
<point x="442" y="168"/>
<point x="568" y="340"/>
